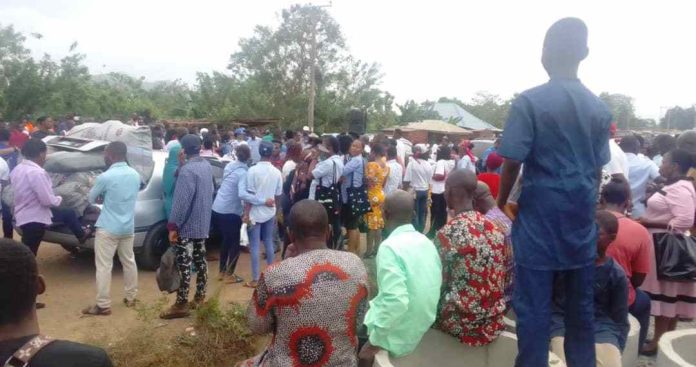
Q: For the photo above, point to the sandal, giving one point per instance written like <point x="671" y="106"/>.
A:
<point x="234" y="279"/>
<point x="130" y="304"/>
<point x="252" y="284"/>
<point x="176" y="312"/>
<point x="96" y="311"/>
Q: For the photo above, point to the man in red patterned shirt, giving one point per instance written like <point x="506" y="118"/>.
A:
<point x="472" y="250"/>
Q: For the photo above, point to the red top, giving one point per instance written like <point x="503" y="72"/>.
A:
<point x="492" y="180"/>
<point x="17" y="139"/>
<point x="631" y="250"/>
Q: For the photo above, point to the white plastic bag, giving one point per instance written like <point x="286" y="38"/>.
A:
<point x="244" y="236"/>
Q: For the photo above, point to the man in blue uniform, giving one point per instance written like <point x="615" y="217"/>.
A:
<point x="560" y="131"/>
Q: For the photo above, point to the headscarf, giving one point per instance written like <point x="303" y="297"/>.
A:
<point x="169" y="177"/>
<point x="464" y="147"/>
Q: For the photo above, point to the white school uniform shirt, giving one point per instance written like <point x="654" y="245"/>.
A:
<point x="263" y="181"/>
<point x="395" y="178"/>
<point x="418" y="174"/>
<point x="442" y="167"/>
<point x="324" y="173"/>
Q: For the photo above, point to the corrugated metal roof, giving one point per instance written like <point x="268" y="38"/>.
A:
<point x="452" y="111"/>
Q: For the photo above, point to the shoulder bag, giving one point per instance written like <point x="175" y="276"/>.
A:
<point x="23" y="355"/>
<point x="329" y="196"/>
<point x="357" y="196"/>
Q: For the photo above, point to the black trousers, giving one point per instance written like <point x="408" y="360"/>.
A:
<point x="69" y="218"/>
<point x="7" y="229"/>
<point x="229" y="226"/>
<point x="32" y="234"/>
<point x="438" y="214"/>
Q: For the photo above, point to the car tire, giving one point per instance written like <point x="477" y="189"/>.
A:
<point x="154" y="246"/>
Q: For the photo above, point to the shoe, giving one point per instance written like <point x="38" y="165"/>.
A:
<point x="252" y="284"/>
<point x="96" y="311"/>
<point x="130" y="304"/>
<point x="195" y="304"/>
<point x="40" y="305"/>
<point x="233" y="279"/>
<point x="177" y="311"/>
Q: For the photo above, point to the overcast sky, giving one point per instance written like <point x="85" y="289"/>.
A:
<point x="427" y="49"/>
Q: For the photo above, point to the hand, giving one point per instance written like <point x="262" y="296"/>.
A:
<point x="368" y="351"/>
<point x="291" y="251"/>
<point x="173" y="237"/>
<point x="245" y="219"/>
<point x="270" y="203"/>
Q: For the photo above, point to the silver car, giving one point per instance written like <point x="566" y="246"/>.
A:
<point x="150" y="222"/>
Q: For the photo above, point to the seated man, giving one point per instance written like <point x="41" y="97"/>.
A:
<point x="610" y="306"/>
<point x="484" y="203"/>
<point x="409" y="276"/>
<point x="313" y="302"/>
<point x="632" y="250"/>
<point x="20" y="283"/>
<point x="472" y="250"/>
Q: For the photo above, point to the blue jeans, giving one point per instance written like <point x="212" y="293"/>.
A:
<point x="421" y="206"/>
<point x="640" y="309"/>
<point x="261" y="231"/>
<point x="532" y="303"/>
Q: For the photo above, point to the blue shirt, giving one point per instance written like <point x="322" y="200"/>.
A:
<point x="610" y="306"/>
<point x="193" y="200"/>
<point x="119" y="187"/>
<point x="233" y="190"/>
<point x="353" y="173"/>
<point x="641" y="171"/>
<point x="560" y="131"/>
<point x="11" y="158"/>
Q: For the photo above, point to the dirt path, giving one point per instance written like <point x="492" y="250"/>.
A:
<point x="70" y="288"/>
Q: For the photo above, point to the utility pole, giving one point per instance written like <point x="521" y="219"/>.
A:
<point x="312" y="72"/>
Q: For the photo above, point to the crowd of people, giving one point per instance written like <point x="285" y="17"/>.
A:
<point x="560" y="221"/>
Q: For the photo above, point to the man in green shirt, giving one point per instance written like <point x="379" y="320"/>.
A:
<point x="409" y="276"/>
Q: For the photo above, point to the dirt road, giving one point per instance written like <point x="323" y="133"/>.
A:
<point x="70" y="288"/>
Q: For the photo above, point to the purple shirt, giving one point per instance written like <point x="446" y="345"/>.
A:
<point x="33" y="194"/>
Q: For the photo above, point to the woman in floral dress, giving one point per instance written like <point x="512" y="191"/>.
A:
<point x="377" y="172"/>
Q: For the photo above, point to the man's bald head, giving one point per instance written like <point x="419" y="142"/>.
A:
<point x="483" y="199"/>
<point x="460" y="187"/>
<point x="398" y="209"/>
<point x="687" y="141"/>
<point x="308" y="219"/>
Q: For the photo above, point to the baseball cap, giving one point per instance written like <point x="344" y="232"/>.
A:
<point x="191" y="144"/>
<point x="240" y="131"/>
<point x="305" y="129"/>
<point x="266" y="148"/>
<point x="420" y="148"/>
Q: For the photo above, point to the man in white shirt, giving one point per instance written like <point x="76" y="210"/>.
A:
<point x="254" y="142"/>
<point x="618" y="164"/>
<point x="327" y="173"/>
<point x="403" y="146"/>
<point x="418" y="174"/>
<point x="263" y="181"/>
<point x="641" y="171"/>
<point x="438" y="209"/>
<point x="433" y="151"/>
<point x="396" y="171"/>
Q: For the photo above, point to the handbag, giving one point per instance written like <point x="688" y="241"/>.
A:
<point x="675" y="256"/>
<point x="168" y="273"/>
<point x="329" y="196"/>
<point x="357" y="196"/>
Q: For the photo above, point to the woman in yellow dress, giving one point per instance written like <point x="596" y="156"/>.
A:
<point x="377" y="172"/>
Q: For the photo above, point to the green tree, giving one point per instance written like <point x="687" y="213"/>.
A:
<point x="679" y="118"/>
<point x="411" y="111"/>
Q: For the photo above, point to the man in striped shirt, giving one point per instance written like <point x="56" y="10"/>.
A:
<point x="189" y="224"/>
